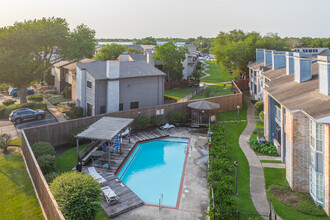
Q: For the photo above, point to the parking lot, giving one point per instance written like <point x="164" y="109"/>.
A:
<point x="9" y="127"/>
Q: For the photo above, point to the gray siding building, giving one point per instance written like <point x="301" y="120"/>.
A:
<point x="118" y="85"/>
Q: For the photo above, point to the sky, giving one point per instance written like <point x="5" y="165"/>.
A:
<point x="178" y="18"/>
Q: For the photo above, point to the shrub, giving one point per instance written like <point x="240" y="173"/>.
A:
<point x="36" y="98"/>
<point x="4" y="88"/>
<point x="141" y="123"/>
<point x="258" y="130"/>
<point x="67" y="92"/>
<point x="78" y="195"/>
<point x="8" y="102"/>
<point x="51" y="176"/>
<point x="42" y="148"/>
<point x="75" y="112"/>
<point x="72" y="139"/>
<point x="46" y="163"/>
<point x="6" y="110"/>
<point x="259" y="106"/>
<point x="157" y="120"/>
<point x="5" y="140"/>
<point x="261" y="115"/>
<point x="175" y="117"/>
<point x="266" y="148"/>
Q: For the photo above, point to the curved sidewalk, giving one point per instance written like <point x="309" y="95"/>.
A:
<point x="257" y="179"/>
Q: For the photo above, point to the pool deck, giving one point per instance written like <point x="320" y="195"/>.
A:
<point x="128" y="200"/>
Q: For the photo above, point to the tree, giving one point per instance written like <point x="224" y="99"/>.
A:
<point x="109" y="52"/>
<point x="28" y="49"/>
<point x="171" y="57"/>
<point x="5" y="140"/>
<point x="146" y="41"/>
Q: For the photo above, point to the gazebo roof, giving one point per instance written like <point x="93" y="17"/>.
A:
<point x="105" y="129"/>
<point x="203" y="105"/>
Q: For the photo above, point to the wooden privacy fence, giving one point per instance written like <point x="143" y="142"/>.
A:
<point x="176" y="84"/>
<point x="46" y="199"/>
<point x="58" y="133"/>
<point x="242" y="84"/>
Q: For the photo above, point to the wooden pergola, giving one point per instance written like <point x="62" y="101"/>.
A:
<point x="104" y="130"/>
<point x="201" y="111"/>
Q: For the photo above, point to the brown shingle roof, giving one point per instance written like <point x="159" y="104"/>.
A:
<point x="256" y="66"/>
<point x="273" y="74"/>
<point x="72" y="66"/>
<point x="300" y="96"/>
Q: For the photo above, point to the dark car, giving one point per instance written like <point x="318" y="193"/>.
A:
<point x="25" y="114"/>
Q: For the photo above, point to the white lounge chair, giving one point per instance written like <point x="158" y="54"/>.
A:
<point x="109" y="194"/>
<point x="167" y="126"/>
<point x="126" y="132"/>
<point x="92" y="171"/>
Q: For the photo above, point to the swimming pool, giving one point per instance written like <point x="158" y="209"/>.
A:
<point x="156" y="168"/>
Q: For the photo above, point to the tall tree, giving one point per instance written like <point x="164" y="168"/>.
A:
<point x="109" y="52"/>
<point x="146" y="41"/>
<point x="171" y="58"/>
<point x="29" y="48"/>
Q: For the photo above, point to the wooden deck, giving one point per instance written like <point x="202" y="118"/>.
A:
<point x="128" y="200"/>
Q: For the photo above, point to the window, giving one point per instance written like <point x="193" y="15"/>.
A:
<point x="134" y="105"/>
<point x="89" y="109"/>
<point x="121" y="107"/>
<point x="102" y="109"/>
<point x="89" y="84"/>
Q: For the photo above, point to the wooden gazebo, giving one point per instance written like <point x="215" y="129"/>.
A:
<point x="201" y="111"/>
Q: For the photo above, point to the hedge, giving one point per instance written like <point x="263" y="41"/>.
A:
<point x="267" y="148"/>
<point x="141" y="123"/>
<point x="75" y="112"/>
<point x="42" y="148"/>
<point x="67" y="92"/>
<point x="7" y="102"/>
<point x="78" y="195"/>
<point x="6" y="110"/>
<point x="47" y="163"/>
<point x="259" y="106"/>
<point x="175" y="117"/>
<point x="157" y="120"/>
<point x="36" y="98"/>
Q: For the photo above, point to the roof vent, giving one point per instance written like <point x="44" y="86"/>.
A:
<point x="324" y="74"/>
<point x="302" y="67"/>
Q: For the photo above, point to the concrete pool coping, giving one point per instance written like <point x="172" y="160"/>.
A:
<point x="182" y="174"/>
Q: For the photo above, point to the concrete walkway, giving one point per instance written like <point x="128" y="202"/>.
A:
<point x="273" y="165"/>
<point x="257" y="179"/>
<point x="55" y="112"/>
<point x="205" y="68"/>
<point x="269" y="158"/>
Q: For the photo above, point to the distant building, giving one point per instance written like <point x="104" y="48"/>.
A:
<point x="117" y="85"/>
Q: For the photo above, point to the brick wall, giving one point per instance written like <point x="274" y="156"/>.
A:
<point x="300" y="153"/>
<point x="327" y="168"/>
<point x="266" y="113"/>
<point x="288" y="161"/>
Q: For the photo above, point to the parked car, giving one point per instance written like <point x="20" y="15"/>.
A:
<point x="15" y="92"/>
<point x="25" y="114"/>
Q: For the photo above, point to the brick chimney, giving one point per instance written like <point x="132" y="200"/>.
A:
<point x="278" y="59"/>
<point x="302" y="67"/>
<point x="324" y="74"/>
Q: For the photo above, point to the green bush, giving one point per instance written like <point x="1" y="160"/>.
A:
<point x="72" y="139"/>
<point x="175" y="117"/>
<point x="36" y="98"/>
<point x="75" y="112"/>
<point x="266" y="148"/>
<point x="42" y="148"/>
<point x="4" y="88"/>
<point x="47" y="163"/>
<point x="258" y="130"/>
<point x="8" y="102"/>
<point x="261" y="115"/>
<point x="78" y="195"/>
<point x="141" y="123"/>
<point x="5" y="140"/>
<point x="67" y="92"/>
<point x="157" y="120"/>
<point x="259" y="106"/>
<point x="51" y="176"/>
<point x="6" y="110"/>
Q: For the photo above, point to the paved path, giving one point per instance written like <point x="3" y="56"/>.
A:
<point x="55" y="112"/>
<point x="273" y="165"/>
<point x="257" y="179"/>
<point x="205" y="68"/>
<point x="269" y="158"/>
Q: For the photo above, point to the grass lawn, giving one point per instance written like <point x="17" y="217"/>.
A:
<point x="213" y="91"/>
<point x="178" y="93"/>
<point x="56" y="99"/>
<point x="217" y="73"/>
<point x="68" y="159"/>
<point x="270" y="161"/>
<point x="17" y="197"/>
<point x="291" y="205"/>
<point x="232" y="115"/>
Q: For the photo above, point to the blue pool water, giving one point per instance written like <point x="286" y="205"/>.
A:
<point x="155" y="168"/>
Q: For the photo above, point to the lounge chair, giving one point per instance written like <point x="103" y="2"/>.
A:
<point x="167" y="126"/>
<point x="92" y="171"/>
<point x="126" y="132"/>
<point x="115" y="146"/>
<point x="109" y="194"/>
